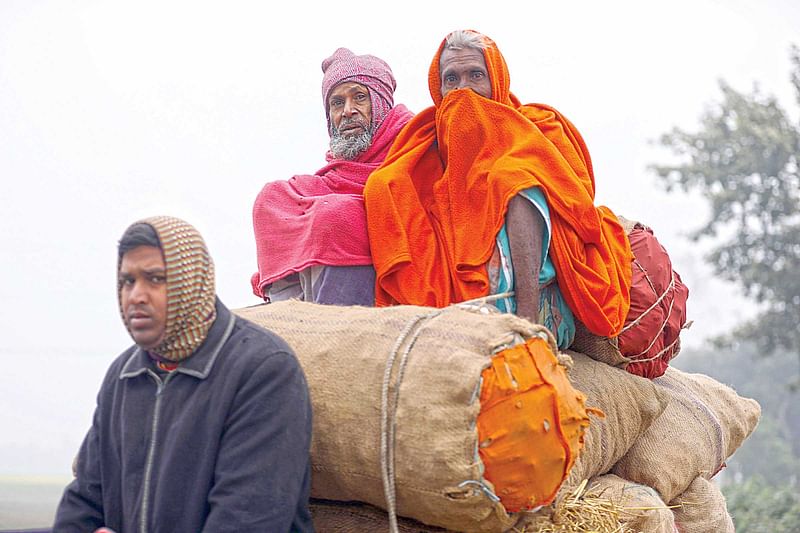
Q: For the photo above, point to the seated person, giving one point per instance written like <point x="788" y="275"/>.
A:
<point x="204" y="424"/>
<point x="481" y="195"/>
<point x="310" y="230"/>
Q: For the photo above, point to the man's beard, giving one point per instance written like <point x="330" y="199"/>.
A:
<point x="351" y="145"/>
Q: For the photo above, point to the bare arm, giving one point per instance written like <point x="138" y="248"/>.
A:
<point x="525" y="227"/>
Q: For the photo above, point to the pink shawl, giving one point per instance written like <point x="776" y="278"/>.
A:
<point x="320" y="219"/>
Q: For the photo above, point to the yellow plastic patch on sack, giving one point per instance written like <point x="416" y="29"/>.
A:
<point x="528" y="457"/>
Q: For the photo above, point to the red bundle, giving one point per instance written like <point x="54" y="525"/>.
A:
<point x="650" y="338"/>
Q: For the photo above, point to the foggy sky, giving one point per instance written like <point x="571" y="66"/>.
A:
<point x="111" y="111"/>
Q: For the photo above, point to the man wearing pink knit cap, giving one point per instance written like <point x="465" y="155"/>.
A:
<point x="310" y="230"/>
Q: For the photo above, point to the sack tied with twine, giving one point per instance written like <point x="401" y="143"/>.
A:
<point x="651" y="335"/>
<point x="456" y="417"/>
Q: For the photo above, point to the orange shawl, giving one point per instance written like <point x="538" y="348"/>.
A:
<point x="435" y="206"/>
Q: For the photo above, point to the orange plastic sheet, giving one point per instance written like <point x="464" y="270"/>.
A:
<point x="528" y="457"/>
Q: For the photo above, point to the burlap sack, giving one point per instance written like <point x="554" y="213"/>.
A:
<point x="702" y="509"/>
<point x="630" y="404"/>
<point x="704" y="423"/>
<point x="603" y="349"/>
<point x="344" y="353"/>
<point x="641" y="508"/>
<point x="354" y="517"/>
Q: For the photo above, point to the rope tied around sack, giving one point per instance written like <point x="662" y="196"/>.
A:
<point x="667" y="315"/>
<point x="663" y="295"/>
<point x="408" y="336"/>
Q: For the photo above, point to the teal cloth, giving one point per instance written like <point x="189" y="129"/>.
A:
<point x="553" y="310"/>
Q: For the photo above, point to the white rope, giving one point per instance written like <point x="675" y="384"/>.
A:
<point x="482" y="486"/>
<point x="414" y="327"/>
<point x="670" y="286"/>
<point x="386" y="474"/>
<point x="659" y="354"/>
<point x="393" y="407"/>
<point x="485" y="299"/>
<point x="662" y="352"/>
<point x="660" y="330"/>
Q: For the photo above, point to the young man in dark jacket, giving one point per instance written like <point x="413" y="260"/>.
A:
<point x="205" y="423"/>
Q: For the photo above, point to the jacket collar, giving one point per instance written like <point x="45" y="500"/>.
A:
<point x="200" y="363"/>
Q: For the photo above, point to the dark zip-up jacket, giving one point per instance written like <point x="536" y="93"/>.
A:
<point x="219" y="444"/>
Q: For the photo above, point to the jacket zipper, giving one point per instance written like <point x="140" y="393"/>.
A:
<point x="151" y="451"/>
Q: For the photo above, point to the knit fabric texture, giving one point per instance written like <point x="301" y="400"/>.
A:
<point x="435" y="206"/>
<point x="190" y="287"/>
<point x="319" y="219"/>
<point x="370" y="71"/>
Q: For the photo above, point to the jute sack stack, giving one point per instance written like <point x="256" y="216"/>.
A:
<point x="702" y="509"/>
<point x="703" y="424"/>
<point x="630" y="403"/>
<point x="397" y="393"/>
<point x="641" y="508"/>
<point x="353" y="517"/>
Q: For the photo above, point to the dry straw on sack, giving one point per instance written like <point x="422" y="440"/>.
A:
<point x="703" y="424"/>
<point x="641" y="508"/>
<point x="702" y="509"/>
<point x="630" y="404"/>
<point x="581" y="511"/>
<point x="432" y="473"/>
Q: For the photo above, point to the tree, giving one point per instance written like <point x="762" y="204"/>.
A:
<point x="758" y="507"/>
<point x="744" y="160"/>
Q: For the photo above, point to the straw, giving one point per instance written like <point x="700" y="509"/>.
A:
<point x="576" y="512"/>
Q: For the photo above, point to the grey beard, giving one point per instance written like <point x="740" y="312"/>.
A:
<point x="349" y="147"/>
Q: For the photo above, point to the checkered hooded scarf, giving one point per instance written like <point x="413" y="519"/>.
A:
<point x="190" y="287"/>
<point x="370" y="71"/>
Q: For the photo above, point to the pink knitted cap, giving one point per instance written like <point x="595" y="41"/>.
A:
<point x="370" y="71"/>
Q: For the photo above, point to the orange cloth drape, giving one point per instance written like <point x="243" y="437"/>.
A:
<point x="435" y="206"/>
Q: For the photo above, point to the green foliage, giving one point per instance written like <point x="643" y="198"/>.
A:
<point x="758" y="507"/>
<point x="745" y="161"/>
<point x="767" y="453"/>
<point x="761" y="479"/>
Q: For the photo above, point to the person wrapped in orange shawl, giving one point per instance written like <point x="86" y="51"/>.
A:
<point x="480" y="179"/>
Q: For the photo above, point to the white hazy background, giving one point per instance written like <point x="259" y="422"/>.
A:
<point x="111" y="111"/>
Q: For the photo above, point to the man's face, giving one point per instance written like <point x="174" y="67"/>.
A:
<point x="143" y="295"/>
<point x="350" y="108"/>
<point x="464" y="69"/>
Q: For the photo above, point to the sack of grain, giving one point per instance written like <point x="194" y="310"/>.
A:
<point x="702" y="509"/>
<point x="703" y="424"/>
<point x="456" y="418"/>
<point x="354" y="517"/>
<point x="640" y="507"/>
<point x="630" y="404"/>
